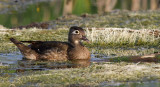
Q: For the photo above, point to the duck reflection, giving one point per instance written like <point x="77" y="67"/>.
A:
<point x="80" y="63"/>
<point x="27" y="65"/>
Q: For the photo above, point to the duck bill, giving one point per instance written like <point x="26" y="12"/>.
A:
<point x="84" y="38"/>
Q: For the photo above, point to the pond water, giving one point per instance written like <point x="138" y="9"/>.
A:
<point x="97" y="54"/>
<point x="131" y="84"/>
<point x="22" y="12"/>
<point x="10" y="58"/>
<point x="15" y="13"/>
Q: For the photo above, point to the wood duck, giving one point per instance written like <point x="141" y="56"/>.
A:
<point x="56" y="50"/>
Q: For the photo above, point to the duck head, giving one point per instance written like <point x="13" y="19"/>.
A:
<point x="76" y="34"/>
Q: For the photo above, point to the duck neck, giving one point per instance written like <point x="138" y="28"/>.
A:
<point x="75" y="42"/>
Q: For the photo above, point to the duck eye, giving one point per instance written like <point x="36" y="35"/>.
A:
<point x="75" y="32"/>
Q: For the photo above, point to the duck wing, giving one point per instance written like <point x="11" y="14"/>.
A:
<point x="32" y="42"/>
<point x="42" y="46"/>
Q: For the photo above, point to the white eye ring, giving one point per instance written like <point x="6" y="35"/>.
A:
<point x="75" y="32"/>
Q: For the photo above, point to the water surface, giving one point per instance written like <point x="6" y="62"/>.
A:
<point x="97" y="54"/>
<point x="15" y="13"/>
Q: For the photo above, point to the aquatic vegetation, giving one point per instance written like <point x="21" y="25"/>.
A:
<point x="115" y="19"/>
<point x="110" y="37"/>
<point x="118" y="52"/>
<point x="30" y="34"/>
<point x="133" y="31"/>
<point x="94" y="75"/>
<point x="122" y="37"/>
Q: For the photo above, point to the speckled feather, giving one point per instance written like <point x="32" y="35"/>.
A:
<point x="56" y="50"/>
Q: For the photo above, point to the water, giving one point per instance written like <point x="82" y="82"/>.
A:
<point x="26" y="12"/>
<point x="23" y="12"/>
<point x="10" y="58"/>
<point x="131" y="84"/>
<point x="97" y="55"/>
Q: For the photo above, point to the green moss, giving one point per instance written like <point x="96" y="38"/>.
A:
<point x="158" y="58"/>
<point x="3" y="67"/>
<point x="120" y="59"/>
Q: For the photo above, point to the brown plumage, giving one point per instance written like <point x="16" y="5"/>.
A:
<point x="56" y="50"/>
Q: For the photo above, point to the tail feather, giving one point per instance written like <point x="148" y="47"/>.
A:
<point x="14" y="41"/>
<point x="27" y="52"/>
